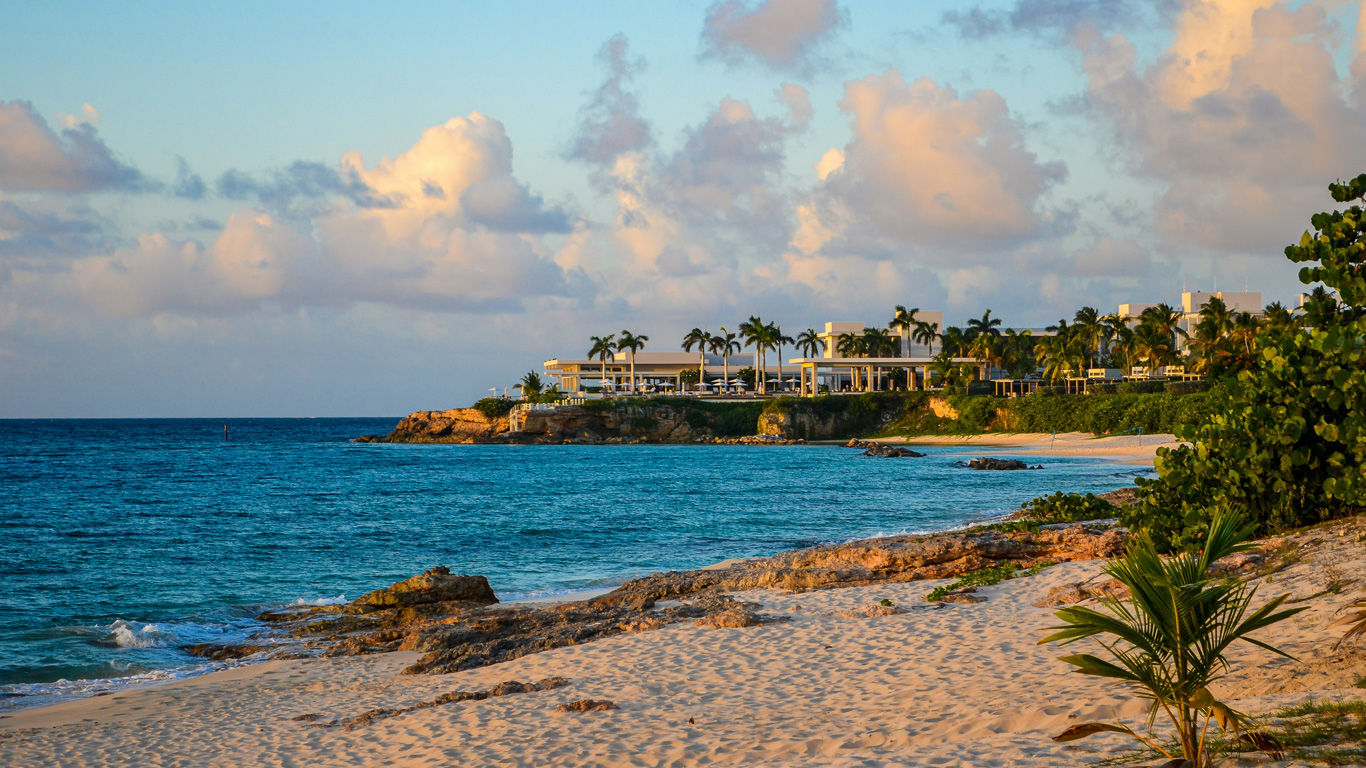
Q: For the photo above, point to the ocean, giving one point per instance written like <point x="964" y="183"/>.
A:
<point x="122" y="540"/>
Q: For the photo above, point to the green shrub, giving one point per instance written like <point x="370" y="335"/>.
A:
<point x="493" y="407"/>
<point x="1142" y="387"/>
<point x="1286" y="439"/>
<point x="1186" y="387"/>
<point x="985" y="577"/>
<point x="1068" y="508"/>
<point x="1107" y="388"/>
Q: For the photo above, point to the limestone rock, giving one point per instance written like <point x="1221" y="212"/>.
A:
<point x="1076" y="592"/>
<point x="734" y="618"/>
<point x="435" y="585"/>
<point x="457" y="425"/>
<point x="587" y="705"/>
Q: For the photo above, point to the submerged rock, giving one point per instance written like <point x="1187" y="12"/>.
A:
<point x="892" y="452"/>
<point x="987" y="463"/>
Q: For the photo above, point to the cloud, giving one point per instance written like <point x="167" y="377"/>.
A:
<point x="34" y="158"/>
<point x="1243" y="119"/>
<point x="188" y="184"/>
<point x="1110" y="257"/>
<point x="927" y="166"/>
<point x="42" y="232"/>
<point x="300" y="180"/>
<point x="610" y="124"/>
<point x="783" y="35"/>
<point x="1053" y="18"/>
<point x="455" y="233"/>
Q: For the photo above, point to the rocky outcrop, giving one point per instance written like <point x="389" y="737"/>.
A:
<point x="435" y="585"/>
<point x="986" y="463"/>
<point x="458" y="425"/>
<point x="451" y="621"/>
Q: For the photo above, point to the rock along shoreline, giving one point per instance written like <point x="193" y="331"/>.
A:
<point x="457" y="622"/>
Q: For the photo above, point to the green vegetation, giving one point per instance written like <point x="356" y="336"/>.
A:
<point x="1168" y="640"/>
<point x="986" y="577"/>
<point x="1323" y="732"/>
<point x="1286" y="438"/>
<point x="493" y="407"/>
<point x="1098" y="414"/>
<point x="724" y="419"/>
<point x="1068" y="508"/>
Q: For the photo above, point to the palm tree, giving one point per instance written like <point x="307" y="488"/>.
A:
<point x="1091" y="328"/>
<point x="985" y="325"/>
<point x="531" y="385"/>
<point x="850" y="345"/>
<point x="726" y="344"/>
<point x="1167" y="320"/>
<point x="926" y="333"/>
<point x="1152" y="345"/>
<point x="1245" y="328"/>
<point x="984" y="349"/>
<point x="702" y="340"/>
<point x="777" y="339"/>
<point x="955" y="340"/>
<point x="1170" y="637"/>
<point x="1017" y="353"/>
<point x="1279" y="317"/>
<point x="877" y="343"/>
<point x="632" y="343"/>
<point x="603" y="348"/>
<point x="904" y="322"/>
<point x="809" y="342"/>
<point x="755" y="334"/>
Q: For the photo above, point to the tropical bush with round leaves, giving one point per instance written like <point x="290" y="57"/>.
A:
<point x="1286" y="441"/>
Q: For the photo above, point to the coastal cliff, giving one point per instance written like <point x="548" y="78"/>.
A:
<point x="838" y="417"/>
<point x="457" y="425"/>
<point x="597" y="422"/>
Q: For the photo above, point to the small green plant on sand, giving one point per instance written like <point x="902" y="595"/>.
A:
<point x="886" y="603"/>
<point x="1324" y="732"/>
<point x="986" y="577"/>
<point x="1168" y="640"/>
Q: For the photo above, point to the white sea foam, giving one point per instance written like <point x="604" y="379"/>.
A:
<point x="24" y="695"/>
<point x="303" y="603"/>
<point x="131" y="634"/>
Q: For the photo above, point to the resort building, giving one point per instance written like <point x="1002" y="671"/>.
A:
<point x="1194" y="301"/>
<point x="666" y="371"/>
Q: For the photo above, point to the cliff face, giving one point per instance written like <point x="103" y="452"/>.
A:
<point x="792" y="425"/>
<point x="651" y="423"/>
<point x="648" y="423"/>
<point x="458" y="425"/>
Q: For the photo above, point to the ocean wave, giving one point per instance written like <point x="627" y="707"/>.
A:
<point x="130" y="634"/>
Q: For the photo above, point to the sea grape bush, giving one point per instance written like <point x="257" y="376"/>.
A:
<point x="1287" y="438"/>
<point x="1068" y="508"/>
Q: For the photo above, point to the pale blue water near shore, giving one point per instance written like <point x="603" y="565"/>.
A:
<point x="121" y="540"/>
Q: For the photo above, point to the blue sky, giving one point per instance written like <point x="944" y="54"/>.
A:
<point x="338" y="208"/>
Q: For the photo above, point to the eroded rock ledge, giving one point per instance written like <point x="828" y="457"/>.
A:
<point x="456" y="623"/>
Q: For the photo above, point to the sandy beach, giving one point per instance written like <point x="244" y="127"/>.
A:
<point x="943" y="685"/>
<point x="1123" y="449"/>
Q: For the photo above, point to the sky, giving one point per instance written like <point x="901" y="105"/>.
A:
<point x="346" y="209"/>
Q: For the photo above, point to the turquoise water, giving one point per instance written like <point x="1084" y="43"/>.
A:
<point x="121" y="540"/>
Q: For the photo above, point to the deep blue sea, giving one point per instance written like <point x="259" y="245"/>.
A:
<point x="121" y="540"/>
